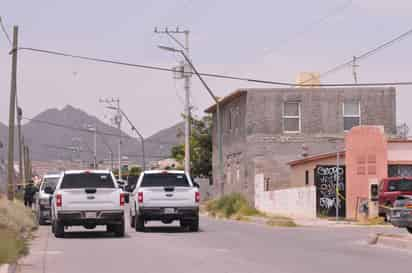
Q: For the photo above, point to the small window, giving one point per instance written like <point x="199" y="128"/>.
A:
<point x="291" y="117"/>
<point x="306" y="177"/>
<point x="351" y="115"/>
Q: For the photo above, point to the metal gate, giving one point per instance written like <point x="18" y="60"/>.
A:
<point x="325" y="181"/>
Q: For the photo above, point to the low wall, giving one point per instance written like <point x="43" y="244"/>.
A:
<point x="206" y="190"/>
<point x="298" y="202"/>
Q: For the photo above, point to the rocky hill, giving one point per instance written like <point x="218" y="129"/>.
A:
<point x="64" y="135"/>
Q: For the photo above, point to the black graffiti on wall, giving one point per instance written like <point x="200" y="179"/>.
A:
<point x="325" y="181"/>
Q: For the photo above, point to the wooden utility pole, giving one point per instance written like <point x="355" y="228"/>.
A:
<point x="12" y="108"/>
<point x="19" y="137"/>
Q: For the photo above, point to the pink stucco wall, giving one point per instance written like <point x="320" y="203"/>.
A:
<point x="366" y="159"/>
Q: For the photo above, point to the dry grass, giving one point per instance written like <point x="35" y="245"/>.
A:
<point x="16" y="225"/>
<point x="232" y="206"/>
<point x="280" y="221"/>
<point x="372" y="221"/>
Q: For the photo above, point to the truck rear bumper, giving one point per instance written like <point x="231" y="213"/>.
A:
<point x="80" y="218"/>
<point x="165" y="214"/>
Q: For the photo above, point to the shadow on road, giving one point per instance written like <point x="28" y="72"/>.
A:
<point x="92" y="235"/>
<point x="166" y="229"/>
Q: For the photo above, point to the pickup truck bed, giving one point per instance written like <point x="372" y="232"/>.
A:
<point x="88" y="199"/>
<point x="165" y="196"/>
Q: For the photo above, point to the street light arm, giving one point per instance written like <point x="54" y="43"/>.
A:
<point x="176" y="40"/>
<point x="131" y="124"/>
<point x="200" y="77"/>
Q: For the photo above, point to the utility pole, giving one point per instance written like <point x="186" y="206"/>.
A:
<point x="23" y="152"/>
<point x="12" y="108"/>
<point x="110" y="150"/>
<point x="218" y="117"/>
<point x="118" y="122"/>
<point x="337" y="185"/>
<point x="19" y="136"/>
<point x="354" y="67"/>
<point x="135" y="130"/>
<point x="186" y="75"/>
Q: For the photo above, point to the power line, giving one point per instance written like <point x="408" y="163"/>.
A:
<point x="71" y="149"/>
<point x="366" y="54"/>
<point x="309" y="27"/>
<point x="54" y="124"/>
<point x="3" y="28"/>
<point x="214" y="75"/>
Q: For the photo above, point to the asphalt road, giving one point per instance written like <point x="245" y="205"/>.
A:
<point x="220" y="246"/>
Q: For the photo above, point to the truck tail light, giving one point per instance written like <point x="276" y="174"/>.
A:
<point x="140" y="197"/>
<point x="408" y="205"/>
<point x="122" y="197"/>
<point x="197" y="197"/>
<point x="59" y="200"/>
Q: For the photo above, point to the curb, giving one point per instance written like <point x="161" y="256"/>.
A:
<point x="390" y="240"/>
<point x="4" y="268"/>
<point x="8" y="268"/>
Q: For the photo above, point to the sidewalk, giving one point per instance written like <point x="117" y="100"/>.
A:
<point x="35" y="261"/>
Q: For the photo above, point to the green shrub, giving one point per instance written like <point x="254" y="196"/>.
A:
<point x="231" y="205"/>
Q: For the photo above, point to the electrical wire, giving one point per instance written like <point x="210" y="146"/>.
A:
<point x="54" y="124"/>
<point x="366" y="55"/>
<point x="3" y="28"/>
<point x="214" y="75"/>
<point x="309" y="27"/>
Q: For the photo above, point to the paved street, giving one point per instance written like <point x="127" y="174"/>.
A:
<point x="221" y="246"/>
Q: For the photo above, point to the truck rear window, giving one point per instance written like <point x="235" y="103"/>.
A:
<point x="400" y="185"/>
<point x="49" y="182"/>
<point x="87" y="180"/>
<point x="164" y="180"/>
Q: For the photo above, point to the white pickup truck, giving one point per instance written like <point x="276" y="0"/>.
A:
<point x="88" y="199"/>
<point x="165" y="196"/>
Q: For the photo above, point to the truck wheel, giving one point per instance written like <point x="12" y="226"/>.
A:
<point x="194" y="226"/>
<point x="119" y="229"/>
<point x="139" y="223"/>
<point x="409" y="229"/>
<point x="132" y="221"/>
<point x="41" y="221"/>
<point x="58" y="229"/>
<point x="110" y="228"/>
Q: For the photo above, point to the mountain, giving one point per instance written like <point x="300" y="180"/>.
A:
<point x="63" y="135"/>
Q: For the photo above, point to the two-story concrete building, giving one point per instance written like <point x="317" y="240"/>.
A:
<point x="263" y="129"/>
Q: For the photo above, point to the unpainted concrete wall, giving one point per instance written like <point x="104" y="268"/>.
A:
<point x="297" y="202"/>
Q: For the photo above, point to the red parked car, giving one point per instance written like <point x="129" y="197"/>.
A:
<point x="389" y="190"/>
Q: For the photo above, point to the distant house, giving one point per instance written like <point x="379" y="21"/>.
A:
<point x="263" y="129"/>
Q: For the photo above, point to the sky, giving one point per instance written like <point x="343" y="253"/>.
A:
<point x="271" y="40"/>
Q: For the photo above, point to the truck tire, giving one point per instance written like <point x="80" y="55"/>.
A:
<point x="139" y="223"/>
<point x="119" y="229"/>
<point x="409" y="229"/>
<point x="58" y="229"/>
<point x="110" y="228"/>
<point x="132" y="221"/>
<point x="41" y="221"/>
<point x="194" y="225"/>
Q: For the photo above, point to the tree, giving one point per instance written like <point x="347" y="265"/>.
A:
<point x="135" y="171"/>
<point x="200" y="147"/>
